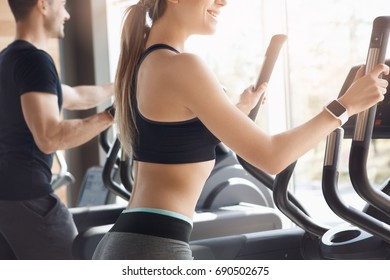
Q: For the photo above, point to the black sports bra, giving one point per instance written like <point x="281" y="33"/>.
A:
<point x="171" y="142"/>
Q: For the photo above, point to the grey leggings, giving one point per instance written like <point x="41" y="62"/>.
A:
<point x="134" y="246"/>
<point x="147" y="235"/>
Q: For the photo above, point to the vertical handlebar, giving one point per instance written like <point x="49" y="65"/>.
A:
<point x="365" y="124"/>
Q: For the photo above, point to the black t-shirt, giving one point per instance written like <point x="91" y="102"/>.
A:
<point x="25" y="171"/>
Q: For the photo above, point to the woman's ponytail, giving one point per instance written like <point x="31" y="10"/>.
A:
<point x="135" y="32"/>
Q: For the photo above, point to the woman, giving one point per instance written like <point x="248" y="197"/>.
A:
<point x="169" y="113"/>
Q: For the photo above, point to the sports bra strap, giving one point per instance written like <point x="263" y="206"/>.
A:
<point x="155" y="47"/>
<point x="160" y="46"/>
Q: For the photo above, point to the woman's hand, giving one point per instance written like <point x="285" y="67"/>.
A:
<point x="366" y="90"/>
<point x="250" y="97"/>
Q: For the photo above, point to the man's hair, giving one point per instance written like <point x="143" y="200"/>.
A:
<point x="21" y="8"/>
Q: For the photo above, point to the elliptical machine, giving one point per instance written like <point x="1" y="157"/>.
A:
<point x="368" y="234"/>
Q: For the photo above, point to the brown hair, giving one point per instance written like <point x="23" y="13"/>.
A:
<point x="21" y="8"/>
<point x="135" y="33"/>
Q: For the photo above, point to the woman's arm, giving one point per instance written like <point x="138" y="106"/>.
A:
<point x="269" y="153"/>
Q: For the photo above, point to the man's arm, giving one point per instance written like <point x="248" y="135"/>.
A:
<point x="50" y="131"/>
<point x="85" y="97"/>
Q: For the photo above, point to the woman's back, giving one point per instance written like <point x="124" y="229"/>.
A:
<point x="174" y="151"/>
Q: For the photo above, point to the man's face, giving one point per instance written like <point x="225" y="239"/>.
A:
<point x="56" y="18"/>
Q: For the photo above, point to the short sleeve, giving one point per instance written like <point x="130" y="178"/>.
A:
<point x="36" y="72"/>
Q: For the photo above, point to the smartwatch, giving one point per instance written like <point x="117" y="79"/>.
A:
<point x="111" y="111"/>
<point x="338" y="111"/>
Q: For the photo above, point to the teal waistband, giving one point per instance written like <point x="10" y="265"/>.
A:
<point x="161" y="212"/>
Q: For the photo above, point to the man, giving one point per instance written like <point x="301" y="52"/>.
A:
<point x="34" y="224"/>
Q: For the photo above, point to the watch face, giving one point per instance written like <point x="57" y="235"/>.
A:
<point x="336" y="108"/>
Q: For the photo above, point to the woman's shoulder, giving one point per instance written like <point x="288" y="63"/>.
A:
<point x="188" y="61"/>
<point x="190" y="68"/>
